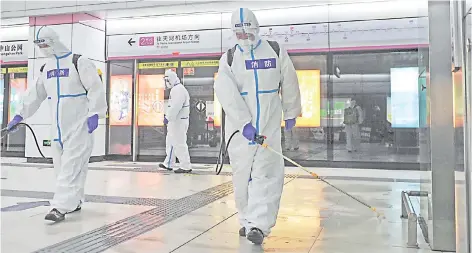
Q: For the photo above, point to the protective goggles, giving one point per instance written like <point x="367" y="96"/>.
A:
<point x="42" y="43"/>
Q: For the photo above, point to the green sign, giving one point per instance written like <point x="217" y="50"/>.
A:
<point x="46" y="143"/>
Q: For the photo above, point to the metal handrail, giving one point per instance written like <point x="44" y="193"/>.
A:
<point x="408" y="212"/>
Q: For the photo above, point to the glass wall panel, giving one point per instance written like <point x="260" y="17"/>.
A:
<point x="307" y="141"/>
<point x="2" y="92"/>
<point x="380" y="103"/>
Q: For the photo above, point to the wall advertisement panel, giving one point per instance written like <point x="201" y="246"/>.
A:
<point x="337" y="114"/>
<point x="405" y="97"/>
<point x="309" y="82"/>
<point x="151" y="107"/>
<point x="459" y="105"/>
<point x="121" y="88"/>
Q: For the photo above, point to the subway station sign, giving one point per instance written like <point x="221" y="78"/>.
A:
<point x="14" y="51"/>
<point x="165" y="43"/>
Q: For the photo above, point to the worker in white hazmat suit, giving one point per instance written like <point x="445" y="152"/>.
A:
<point x="248" y="89"/>
<point x="353" y="118"/>
<point x="177" y="120"/>
<point x="76" y="97"/>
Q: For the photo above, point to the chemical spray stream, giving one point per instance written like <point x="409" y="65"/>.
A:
<point x="260" y="140"/>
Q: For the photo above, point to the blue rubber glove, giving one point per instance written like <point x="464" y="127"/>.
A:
<point x="289" y="124"/>
<point x="15" y="121"/>
<point x="166" y="121"/>
<point x="92" y="123"/>
<point x="249" y="132"/>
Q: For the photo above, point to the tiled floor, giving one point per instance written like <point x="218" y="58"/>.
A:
<point x="313" y="217"/>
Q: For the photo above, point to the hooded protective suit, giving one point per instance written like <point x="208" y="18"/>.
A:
<point x="76" y="100"/>
<point x="256" y="89"/>
<point x="177" y="115"/>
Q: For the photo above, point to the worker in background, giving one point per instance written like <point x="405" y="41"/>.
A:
<point x="250" y="76"/>
<point x="177" y="121"/>
<point x="77" y="100"/>
<point x="353" y="118"/>
<point x="292" y="141"/>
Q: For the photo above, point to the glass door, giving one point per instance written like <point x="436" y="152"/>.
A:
<point x="152" y="102"/>
<point x="120" y="108"/>
<point x="14" y="82"/>
<point x="205" y="112"/>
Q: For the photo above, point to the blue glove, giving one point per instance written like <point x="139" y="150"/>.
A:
<point x="289" y="124"/>
<point x="92" y="123"/>
<point x="15" y="121"/>
<point x="249" y="132"/>
<point x="166" y="121"/>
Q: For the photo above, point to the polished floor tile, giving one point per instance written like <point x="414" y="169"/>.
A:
<point x="313" y="216"/>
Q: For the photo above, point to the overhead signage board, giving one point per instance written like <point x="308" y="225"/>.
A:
<point x="18" y="70"/>
<point x="369" y="33"/>
<point x="158" y="65"/>
<point x="14" y="51"/>
<point x="185" y="42"/>
<point x="203" y="63"/>
<point x="374" y="33"/>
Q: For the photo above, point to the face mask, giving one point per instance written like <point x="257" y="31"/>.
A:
<point x="167" y="83"/>
<point x="246" y="38"/>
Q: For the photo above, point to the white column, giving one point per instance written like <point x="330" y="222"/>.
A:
<point x="442" y="230"/>
<point x="83" y="34"/>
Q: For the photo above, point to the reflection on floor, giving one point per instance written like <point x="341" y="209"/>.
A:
<point x="128" y="210"/>
<point x="368" y="152"/>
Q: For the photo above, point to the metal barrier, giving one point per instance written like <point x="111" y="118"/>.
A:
<point x="408" y="212"/>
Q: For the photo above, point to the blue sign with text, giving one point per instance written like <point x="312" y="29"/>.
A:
<point x="270" y="63"/>
<point x="58" y="73"/>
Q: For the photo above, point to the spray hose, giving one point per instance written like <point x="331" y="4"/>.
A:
<point x="32" y="133"/>
<point x="223" y="153"/>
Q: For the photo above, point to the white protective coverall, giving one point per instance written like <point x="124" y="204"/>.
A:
<point x="249" y="93"/>
<point x="353" y="131"/>
<point x="73" y="97"/>
<point x="178" y="111"/>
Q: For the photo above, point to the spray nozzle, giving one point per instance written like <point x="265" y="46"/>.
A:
<point x="259" y="139"/>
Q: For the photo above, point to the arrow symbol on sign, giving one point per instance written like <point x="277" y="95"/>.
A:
<point x="131" y="41"/>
